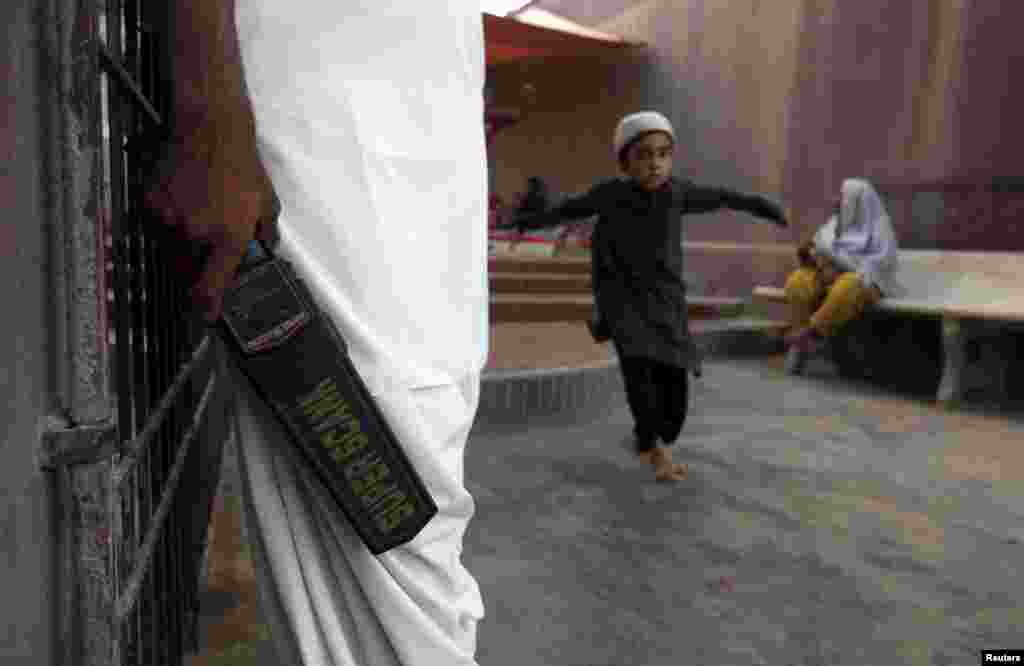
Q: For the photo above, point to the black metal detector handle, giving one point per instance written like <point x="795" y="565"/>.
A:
<point x="297" y="361"/>
<point x="256" y="253"/>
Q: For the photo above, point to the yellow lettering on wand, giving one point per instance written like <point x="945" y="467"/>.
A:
<point x="322" y="402"/>
<point x="343" y="444"/>
<point x="330" y="414"/>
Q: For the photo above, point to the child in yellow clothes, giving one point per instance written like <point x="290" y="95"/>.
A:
<point x="846" y="267"/>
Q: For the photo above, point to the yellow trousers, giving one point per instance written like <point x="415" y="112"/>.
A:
<point x="826" y="308"/>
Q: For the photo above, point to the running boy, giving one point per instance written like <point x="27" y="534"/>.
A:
<point x="638" y="275"/>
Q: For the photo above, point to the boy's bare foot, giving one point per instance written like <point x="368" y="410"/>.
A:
<point x="664" y="468"/>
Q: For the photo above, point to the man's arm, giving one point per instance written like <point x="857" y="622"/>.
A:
<point x="203" y="62"/>
<point x="700" y="199"/>
<point x="210" y="184"/>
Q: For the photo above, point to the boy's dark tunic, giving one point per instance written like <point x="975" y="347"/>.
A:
<point x="638" y="259"/>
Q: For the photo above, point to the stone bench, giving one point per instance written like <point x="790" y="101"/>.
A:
<point x="976" y="296"/>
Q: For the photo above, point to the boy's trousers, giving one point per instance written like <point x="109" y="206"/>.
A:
<point x="327" y="599"/>
<point x="658" y="395"/>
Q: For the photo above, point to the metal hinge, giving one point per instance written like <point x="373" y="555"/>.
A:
<point x="77" y="446"/>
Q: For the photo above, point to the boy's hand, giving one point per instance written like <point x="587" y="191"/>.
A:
<point x="827" y="269"/>
<point x="210" y="188"/>
<point x="805" y="255"/>
<point x="771" y="211"/>
<point x="806" y="252"/>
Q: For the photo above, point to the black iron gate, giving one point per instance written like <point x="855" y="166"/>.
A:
<point x="136" y="459"/>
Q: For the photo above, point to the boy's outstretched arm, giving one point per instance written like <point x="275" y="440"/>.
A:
<point x="701" y="199"/>
<point x="572" y="208"/>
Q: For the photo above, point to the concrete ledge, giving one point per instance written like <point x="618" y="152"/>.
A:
<point x="540" y="283"/>
<point x="510" y="397"/>
<point x="518" y="396"/>
<point x="738" y="337"/>
<point x="784" y="249"/>
<point x="547" y="307"/>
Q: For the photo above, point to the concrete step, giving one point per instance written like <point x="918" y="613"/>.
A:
<point x="531" y="282"/>
<point x="579" y="307"/>
<point x="540" y="283"/>
<point x="528" y="264"/>
<point x="540" y="307"/>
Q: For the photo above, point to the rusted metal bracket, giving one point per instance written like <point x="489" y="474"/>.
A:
<point x="77" y="446"/>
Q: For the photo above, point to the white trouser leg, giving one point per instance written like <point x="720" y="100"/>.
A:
<point x="329" y="601"/>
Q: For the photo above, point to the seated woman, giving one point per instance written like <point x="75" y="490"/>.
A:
<point x="845" y="267"/>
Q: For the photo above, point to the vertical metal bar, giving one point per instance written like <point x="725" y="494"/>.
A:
<point x="158" y="454"/>
<point x="131" y="220"/>
<point x="179" y="576"/>
<point x="172" y="439"/>
<point x="150" y="584"/>
<point x="122" y="312"/>
<point x="115" y="549"/>
<point x="125" y="550"/>
<point x="131" y="43"/>
<point x="138" y="626"/>
<point x="122" y="317"/>
<point x="181" y="579"/>
<point x="176" y="579"/>
<point x="134" y="501"/>
<point x="70" y="630"/>
<point x="147" y="611"/>
<point x="121" y="280"/>
<point x="150" y="330"/>
<point x="65" y="41"/>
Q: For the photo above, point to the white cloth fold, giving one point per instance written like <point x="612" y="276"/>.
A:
<point x="327" y="599"/>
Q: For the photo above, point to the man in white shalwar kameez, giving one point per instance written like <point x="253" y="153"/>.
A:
<point x="368" y="117"/>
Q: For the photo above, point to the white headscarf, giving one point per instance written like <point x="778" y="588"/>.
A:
<point x="861" y="238"/>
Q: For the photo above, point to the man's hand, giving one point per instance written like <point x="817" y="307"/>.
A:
<point x="770" y="210"/>
<point x="212" y="190"/>
<point x="209" y="185"/>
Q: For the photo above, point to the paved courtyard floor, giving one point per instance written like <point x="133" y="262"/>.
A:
<point x="823" y="523"/>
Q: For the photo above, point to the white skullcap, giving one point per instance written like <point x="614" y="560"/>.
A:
<point x="636" y="124"/>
